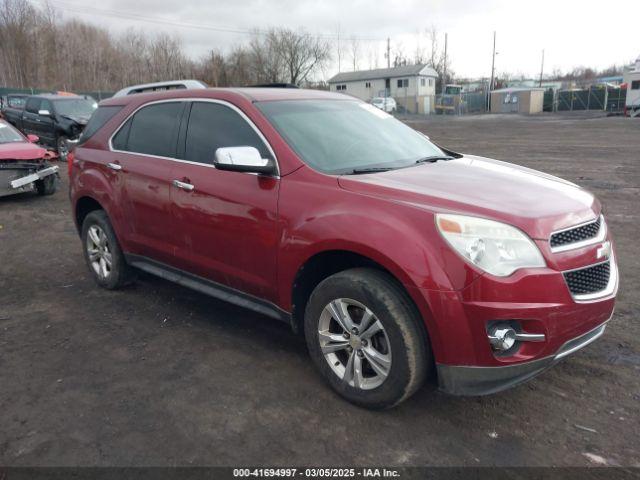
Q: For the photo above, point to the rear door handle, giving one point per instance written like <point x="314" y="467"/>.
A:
<point x="183" y="185"/>
<point x="114" y="166"/>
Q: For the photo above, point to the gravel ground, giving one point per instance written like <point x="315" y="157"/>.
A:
<point x="159" y="375"/>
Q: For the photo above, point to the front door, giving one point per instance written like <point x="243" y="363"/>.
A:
<point x="45" y="124"/>
<point x="226" y="222"/>
<point x="30" y="117"/>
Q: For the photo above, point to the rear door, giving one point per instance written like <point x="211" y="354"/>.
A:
<point x="226" y="222"/>
<point x="144" y="152"/>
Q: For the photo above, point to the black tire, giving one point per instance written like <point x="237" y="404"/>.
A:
<point x="47" y="186"/>
<point x="62" y="148"/>
<point x="387" y="300"/>
<point x="120" y="273"/>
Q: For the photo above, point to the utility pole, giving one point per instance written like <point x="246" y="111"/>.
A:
<point x="541" y="69"/>
<point x="444" y="66"/>
<point x="388" y="52"/>
<point x="493" y="64"/>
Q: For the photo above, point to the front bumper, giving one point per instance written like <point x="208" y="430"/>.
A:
<point x="466" y="380"/>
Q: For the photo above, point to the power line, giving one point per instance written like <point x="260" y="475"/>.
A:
<point x="74" y="8"/>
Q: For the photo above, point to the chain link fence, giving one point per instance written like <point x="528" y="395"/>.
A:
<point x="461" y="104"/>
<point x="607" y="99"/>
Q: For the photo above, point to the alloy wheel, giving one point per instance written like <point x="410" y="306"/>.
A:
<point x="354" y="343"/>
<point x="98" y="251"/>
<point x="63" y="149"/>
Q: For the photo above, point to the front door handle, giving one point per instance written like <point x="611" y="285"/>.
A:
<point x="114" y="166"/>
<point x="183" y="185"/>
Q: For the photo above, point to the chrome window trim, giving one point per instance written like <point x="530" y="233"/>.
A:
<point x="600" y="236"/>
<point x="610" y="289"/>
<point x="194" y="100"/>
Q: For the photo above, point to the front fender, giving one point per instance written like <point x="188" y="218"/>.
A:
<point x="316" y="216"/>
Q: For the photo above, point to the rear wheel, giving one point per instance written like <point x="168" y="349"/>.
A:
<point x="365" y="337"/>
<point x="102" y="252"/>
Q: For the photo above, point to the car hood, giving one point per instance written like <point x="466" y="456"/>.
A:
<point x="533" y="201"/>
<point x="21" y="151"/>
<point x="80" y="120"/>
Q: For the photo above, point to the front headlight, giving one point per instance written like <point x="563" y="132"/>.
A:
<point x="496" y="248"/>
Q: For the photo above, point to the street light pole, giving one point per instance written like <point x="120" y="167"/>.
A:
<point x="541" y="69"/>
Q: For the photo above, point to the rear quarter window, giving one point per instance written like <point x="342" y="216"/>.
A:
<point x="101" y="116"/>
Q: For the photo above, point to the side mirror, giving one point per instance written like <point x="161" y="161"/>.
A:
<point x="243" y="159"/>
<point x="44" y="113"/>
<point x="33" y="138"/>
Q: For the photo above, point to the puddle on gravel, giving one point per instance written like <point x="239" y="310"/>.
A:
<point x="632" y="359"/>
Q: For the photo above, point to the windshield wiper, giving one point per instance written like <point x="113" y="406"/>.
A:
<point x="434" y="158"/>
<point x="357" y="171"/>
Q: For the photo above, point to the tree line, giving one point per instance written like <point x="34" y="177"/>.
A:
<point x="40" y="49"/>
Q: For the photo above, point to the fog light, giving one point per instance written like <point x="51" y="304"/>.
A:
<point x="502" y="338"/>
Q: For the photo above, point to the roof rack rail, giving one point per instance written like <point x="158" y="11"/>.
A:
<point x="159" y="86"/>
<point x="275" y="85"/>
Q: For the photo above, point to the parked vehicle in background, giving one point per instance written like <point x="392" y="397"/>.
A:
<point x="55" y="119"/>
<point x="161" y="86"/>
<point x="386" y="104"/>
<point x="24" y="166"/>
<point x="396" y="258"/>
<point x="12" y="108"/>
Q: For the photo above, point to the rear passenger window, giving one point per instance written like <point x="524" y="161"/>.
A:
<point x="152" y="131"/>
<point x="212" y="126"/>
<point x="120" y="139"/>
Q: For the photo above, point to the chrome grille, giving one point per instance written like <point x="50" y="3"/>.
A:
<point x="577" y="234"/>
<point x="588" y="280"/>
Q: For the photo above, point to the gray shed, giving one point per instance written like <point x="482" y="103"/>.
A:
<point x="517" y="100"/>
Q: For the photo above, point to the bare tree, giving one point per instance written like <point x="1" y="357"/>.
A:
<point x="435" y="58"/>
<point x="354" y="51"/>
<point x="266" y="57"/>
<point x="40" y="49"/>
<point x="339" y="50"/>
<point x="302" y="53"/>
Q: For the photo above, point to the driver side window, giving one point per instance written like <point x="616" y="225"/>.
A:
<point x="213" y="126"/>
<point x="33" y="105"/>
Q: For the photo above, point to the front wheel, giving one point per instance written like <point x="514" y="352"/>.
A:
<point x="62" y="147"/>
<point x="364" y="335"/>
<point x="47" y="185"/>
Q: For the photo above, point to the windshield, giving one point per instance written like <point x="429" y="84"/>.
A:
<point x="9" y="135"/>
<point x="75" y="108"/>
<point x="338" y="136"/>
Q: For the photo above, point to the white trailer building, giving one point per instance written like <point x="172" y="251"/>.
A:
<point x="632" y="79"/>
<point x="412" y="86"/>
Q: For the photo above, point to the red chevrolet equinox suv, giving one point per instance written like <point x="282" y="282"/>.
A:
<point x="396" y="258"/>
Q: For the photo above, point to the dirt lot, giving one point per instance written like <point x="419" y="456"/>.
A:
<point x="160" y="375"/>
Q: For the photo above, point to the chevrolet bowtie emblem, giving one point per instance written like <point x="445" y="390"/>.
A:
<point x="604" y="251"/>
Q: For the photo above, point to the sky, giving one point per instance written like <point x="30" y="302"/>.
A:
<point x="572" y="33"/>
